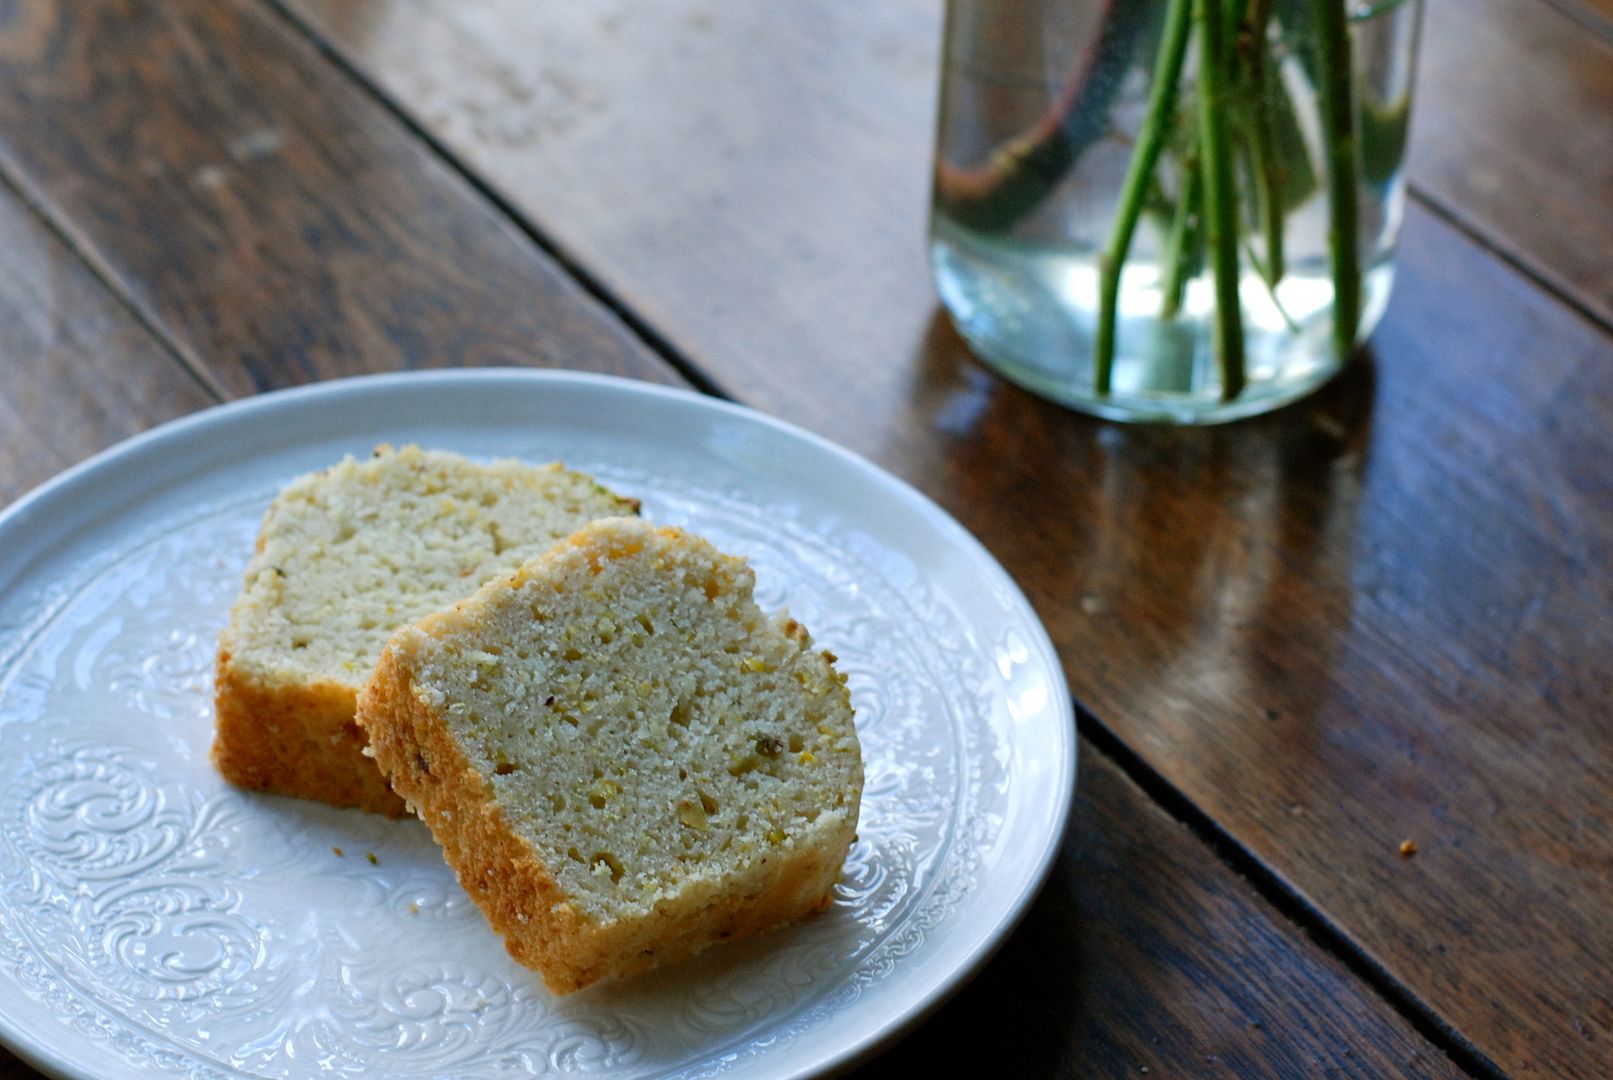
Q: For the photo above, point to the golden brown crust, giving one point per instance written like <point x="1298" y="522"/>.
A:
<point x="507" y="879"/>
<point x="295" y="739"/>
<point x="294" y="733"/>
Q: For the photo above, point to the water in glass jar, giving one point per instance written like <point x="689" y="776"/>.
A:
<point x="1025" y="293"/>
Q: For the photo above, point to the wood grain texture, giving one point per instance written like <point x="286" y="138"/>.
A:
<point x="77" y="372"/>
<point x="1158" y="927"/>
<point x="1513" y="135"/>
<point x="753" y="173"/>
<point x="1074" y="992"/>
<point x="1379" y="616"/>
<point x="1591" y="10"/>
<point x="263" y="213"/>
<point x="1595" y="16"/>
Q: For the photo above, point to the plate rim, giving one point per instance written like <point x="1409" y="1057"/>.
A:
<point x="943" y="986"/>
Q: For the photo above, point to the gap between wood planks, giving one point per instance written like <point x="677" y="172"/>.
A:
<point x="98" y="270"/>
<point x="646" y="333"/>
<point x="1454" y="218"/>
<point x="1294" y="907"/>
<point x="1597" y="21"/>
<point x="1572" y="9"/>
<point x="1297" y="910"/>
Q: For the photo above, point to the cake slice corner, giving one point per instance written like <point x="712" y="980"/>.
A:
<point x="623" y="758"/>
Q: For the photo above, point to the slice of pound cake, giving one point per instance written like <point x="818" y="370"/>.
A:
<point x="622" y="757"/>
<point x="344" y="557"/>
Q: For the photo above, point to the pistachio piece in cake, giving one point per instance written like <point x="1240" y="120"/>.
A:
<point x="344" y="557"/>
<point x="624" y="759"/>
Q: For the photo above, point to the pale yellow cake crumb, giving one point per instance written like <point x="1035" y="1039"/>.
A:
<point x="622" y="757"/>
<point x="344" y="557"/>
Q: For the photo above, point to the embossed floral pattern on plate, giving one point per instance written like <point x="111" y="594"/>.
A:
<point x="179" y="924"/>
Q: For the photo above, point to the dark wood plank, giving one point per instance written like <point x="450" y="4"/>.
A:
<point x="1157" y="927"/>
<point x="765" y="166"/>
<point x="1132" y="915"/>
<point x="1513" y="135"/>
<point x="1377" y="617"/>
<point x="12" y="1069"/>
<point x="1211" y="942"/>
<point x="77" y="372"/>
<point x="263" y="213"/>
<point x="1594" y="15"/>
<point x="1596" y="8"/>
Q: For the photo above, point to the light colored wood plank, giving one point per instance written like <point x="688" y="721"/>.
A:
<point x="77" y="372"/>
<point x="265" y="214"/>
<point x="1376" y="617"/>
<point x="1512" y="133"/>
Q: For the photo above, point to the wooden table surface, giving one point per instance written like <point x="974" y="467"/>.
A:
<point x="1383" y="614"/>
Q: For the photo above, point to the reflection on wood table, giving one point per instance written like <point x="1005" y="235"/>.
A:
<point x="1377" y="616"/>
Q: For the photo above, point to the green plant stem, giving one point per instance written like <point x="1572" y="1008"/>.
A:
<point x="1276" y="301"/>
<point x="1270" y="200"/>
<point x="1182" y="242"/>
<point x="1023" y="171"/>
<point x="1334" y="79"/>
<point x="1232" y="19"/>
<point x="1150" y="141"/>
<point x="1220" y="195"/>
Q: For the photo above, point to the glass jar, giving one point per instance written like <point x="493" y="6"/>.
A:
<point x="1170" y="210"/>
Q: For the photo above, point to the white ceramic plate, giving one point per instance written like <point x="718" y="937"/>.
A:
<point x="155" y="921"/>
